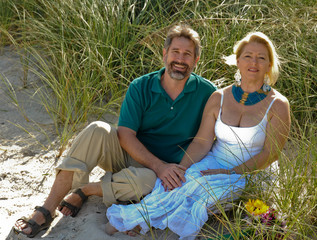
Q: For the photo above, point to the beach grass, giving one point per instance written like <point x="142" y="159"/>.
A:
<point x="86" y="53"/>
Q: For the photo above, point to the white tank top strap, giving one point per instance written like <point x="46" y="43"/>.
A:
<point x="268" y="109"/>
<point x="221" y="91"/>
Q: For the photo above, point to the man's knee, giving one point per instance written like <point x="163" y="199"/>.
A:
<point x="100" y="127"/>
<point x="134" y="181"/>
<point x="102" y="130"/>
<point x="146" y="181"/>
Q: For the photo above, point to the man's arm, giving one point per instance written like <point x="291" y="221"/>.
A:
<point x="171" y="174"/>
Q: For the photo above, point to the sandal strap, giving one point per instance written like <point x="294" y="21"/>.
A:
<point x="79" y="192"/>
<point x="47" y="215"/>
<point x="34" y="226"/>
<point x="71" y="207"/>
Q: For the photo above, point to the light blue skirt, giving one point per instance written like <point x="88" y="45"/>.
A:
<point x="183" y="210"/>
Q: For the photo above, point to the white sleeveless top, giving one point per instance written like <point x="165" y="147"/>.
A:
<point x="235" y="145"/>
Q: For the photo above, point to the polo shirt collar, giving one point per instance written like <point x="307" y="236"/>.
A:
<point x="190" y="85"/>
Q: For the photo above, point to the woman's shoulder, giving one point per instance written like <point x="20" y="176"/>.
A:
<point x="280" y="99"/>
<point x="216" y="96"/>
<point x="281" y="103"/>
<point x="221" y="91"/>
<point x="214" y="100"/>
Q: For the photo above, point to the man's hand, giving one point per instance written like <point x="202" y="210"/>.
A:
<point x="172" y="175"/>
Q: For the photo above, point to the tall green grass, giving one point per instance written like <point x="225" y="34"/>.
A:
<point x="87" y="52"/>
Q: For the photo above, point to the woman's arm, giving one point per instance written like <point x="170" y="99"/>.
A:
<point x="204" y="138"/>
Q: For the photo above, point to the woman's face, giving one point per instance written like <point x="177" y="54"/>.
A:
<point x="254" y="62"/>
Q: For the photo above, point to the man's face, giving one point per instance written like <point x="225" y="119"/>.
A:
<point x="180" y="59"/>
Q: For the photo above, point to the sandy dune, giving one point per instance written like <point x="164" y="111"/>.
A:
<point x="27" y="169"/>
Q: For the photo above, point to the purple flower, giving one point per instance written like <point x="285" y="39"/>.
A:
<point x="269" y="218"/>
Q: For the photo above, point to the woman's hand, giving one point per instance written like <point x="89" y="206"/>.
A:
<point x="215" y="171"/>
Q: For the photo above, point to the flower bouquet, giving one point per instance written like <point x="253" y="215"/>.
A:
<point x="264" y="222"/>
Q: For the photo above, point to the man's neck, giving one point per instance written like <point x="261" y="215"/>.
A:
<point x="172" y="86"/>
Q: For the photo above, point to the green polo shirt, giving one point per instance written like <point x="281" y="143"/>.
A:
<point x="164" y="126"/>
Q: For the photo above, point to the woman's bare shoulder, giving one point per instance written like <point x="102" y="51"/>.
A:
<point x="280" y="106"/>
<point x="280" y="99"/>
<point x="214" y="102"/>
<point x="217" y="94"/>
<point x="215" y="98"/>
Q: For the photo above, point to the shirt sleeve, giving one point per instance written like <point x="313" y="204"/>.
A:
<point x="131" y="109"/>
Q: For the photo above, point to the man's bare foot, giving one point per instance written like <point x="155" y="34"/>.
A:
<point x="134" y="232"/>
<point x="110" y="230"/>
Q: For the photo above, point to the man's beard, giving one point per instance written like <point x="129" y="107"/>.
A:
<point x="178" y="75"/>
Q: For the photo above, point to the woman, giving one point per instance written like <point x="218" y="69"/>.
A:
<point x="250" y="121"/>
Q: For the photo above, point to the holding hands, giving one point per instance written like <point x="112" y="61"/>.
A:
<point x="172" y="175"/>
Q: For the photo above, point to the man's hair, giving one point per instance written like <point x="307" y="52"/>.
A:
<point x="183" y="30"/>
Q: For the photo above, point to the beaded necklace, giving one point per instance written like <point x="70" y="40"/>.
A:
<point x="249" y="98"/>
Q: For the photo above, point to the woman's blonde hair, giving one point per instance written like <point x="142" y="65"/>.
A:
<point x="257" y="37"/>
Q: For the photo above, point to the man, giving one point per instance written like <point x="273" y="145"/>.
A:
<point x="159" y="117"/>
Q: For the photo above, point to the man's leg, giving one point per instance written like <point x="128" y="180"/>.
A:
<point x="97" y="144"/>
<point x="129" y="184"/>
<point x="60" y="188"/>
<point x="74" y="199"/>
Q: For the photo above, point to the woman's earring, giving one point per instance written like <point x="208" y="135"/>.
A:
<point x="237" y="77"/>
<point x="266" y="86"/>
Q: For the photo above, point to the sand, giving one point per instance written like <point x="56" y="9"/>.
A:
<point x="28" y="151"/>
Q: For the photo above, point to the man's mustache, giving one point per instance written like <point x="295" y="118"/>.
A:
<point x="180" y="63"/>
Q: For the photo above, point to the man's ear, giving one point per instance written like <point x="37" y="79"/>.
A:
<point x="164" y="52"/>
<point x="196" y="61"/>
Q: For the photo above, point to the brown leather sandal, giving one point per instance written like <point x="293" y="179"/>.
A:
<point x="70" y="206"/>
<point x="36" y="228"/>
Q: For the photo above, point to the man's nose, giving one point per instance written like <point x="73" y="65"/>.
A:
<point x="181" y="57"/>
